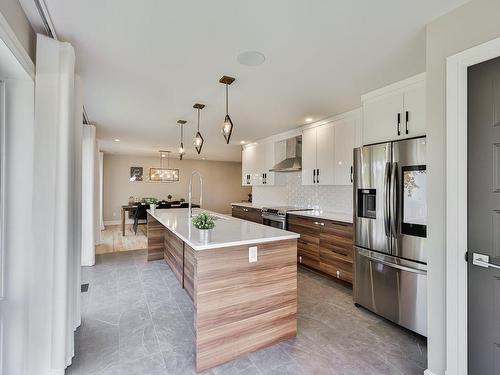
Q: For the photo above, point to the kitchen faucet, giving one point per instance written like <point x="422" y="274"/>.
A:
<point x="190" y="193"/>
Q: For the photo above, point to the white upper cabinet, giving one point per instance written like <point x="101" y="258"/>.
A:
<point x="327" y="151"/>
<point x="325" y="154"/>
<point x="256" y="160"/>
<point x="395" y="112"/>
<point x="345" y="136"/>
<point x="309" y="157"/>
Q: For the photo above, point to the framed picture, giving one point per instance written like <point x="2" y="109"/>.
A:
<point x="136" y="174"/>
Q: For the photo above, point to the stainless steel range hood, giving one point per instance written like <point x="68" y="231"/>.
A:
<point x="293" y="160"/>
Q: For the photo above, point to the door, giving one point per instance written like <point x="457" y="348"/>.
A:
<point x="380" y="118"/>
<point x="345" y="133"/>
<point x="325" y="154"/>
<point x="371" y="197"/>
<point x="483" y="221"/>
<point x="408" y="198"/>
<point x="309" y="157"/>
<point x="414" y="115"/>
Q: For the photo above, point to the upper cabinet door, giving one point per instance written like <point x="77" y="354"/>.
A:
<point x="325" y="154"/>
<point x="395" y="112"/>
<point x="309" y="157"/>
<point x="269" y="162"/>
<point x="380" y="118"/>
<point x="414" y="118"/>
<point x="345" y="135"/>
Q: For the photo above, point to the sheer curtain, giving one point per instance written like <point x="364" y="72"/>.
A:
<point x="55" y="263"/>
<point x="88" y="195"/>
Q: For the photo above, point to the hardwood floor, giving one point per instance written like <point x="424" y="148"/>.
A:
<point x="112" y="240"/>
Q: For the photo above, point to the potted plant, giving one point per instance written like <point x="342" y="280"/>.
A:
<point x="204" y="221"/>
<point x="169" y="197"/>
<point x="152" y="203"/>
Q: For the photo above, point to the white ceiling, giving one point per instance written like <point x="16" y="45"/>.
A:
<point x="145" y="63"/>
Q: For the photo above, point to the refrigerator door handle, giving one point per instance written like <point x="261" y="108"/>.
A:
<point x="394" y="200"/>
<point x="387" y="218"/>
<point x="393" y="265"/>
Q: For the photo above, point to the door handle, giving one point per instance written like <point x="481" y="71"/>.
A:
<point x="317" y="176"/>
<point x="483" y="260"/>
<point x="387" y="179"/>
<point x="407" y="117"/>
<point x="394" y="200"/>
<point x="399" y="123"/>
<point x="351" y="174"/>
<point x="314" y="176"/>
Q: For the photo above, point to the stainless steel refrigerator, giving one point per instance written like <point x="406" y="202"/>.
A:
<point x="390" y="226"/>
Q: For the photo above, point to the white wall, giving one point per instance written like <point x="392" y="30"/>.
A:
<point x="472" y="24"/>
<point x="221" y="182"/>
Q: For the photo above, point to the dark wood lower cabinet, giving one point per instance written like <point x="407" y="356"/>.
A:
<point x="324" y="245"/>
<point x="247" y="213"/>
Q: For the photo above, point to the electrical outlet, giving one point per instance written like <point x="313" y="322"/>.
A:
<point x="114" y="214"/>
<point x="252" y="254"/>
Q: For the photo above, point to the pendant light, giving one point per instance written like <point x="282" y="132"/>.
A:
<point x="164" y="174"/>
<point x="181" y="147"/>
<point x="227" y="126"/>
<point x="198" y="138"/>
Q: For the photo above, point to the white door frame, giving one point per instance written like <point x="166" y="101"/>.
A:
<point x="456" y="201"/>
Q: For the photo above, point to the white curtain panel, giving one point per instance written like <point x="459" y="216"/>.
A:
<point x="101" y="190"/>
<point x="88" y="195"/>
<point x="54" y="276"/>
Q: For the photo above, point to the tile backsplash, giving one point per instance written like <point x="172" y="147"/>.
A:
<point x="329" y="198"/>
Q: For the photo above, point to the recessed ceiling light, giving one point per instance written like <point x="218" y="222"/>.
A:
<point x="309" y="119"/>
<point x="242" y="142"/>
<point x="163" y="155"/>
<point x="117" y="140"/>
<point x="251" y="58"/>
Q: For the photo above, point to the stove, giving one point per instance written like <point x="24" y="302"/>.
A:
<point x="276" y="216"/>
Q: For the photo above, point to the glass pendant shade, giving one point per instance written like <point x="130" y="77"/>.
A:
<point x="181" y="147"/>
<point x="198" y="142"/>
<point x="198" y="138"/>
<point x="227" y="128"/>
<point x="181" y="151"/>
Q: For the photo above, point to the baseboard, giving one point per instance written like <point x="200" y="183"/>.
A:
<point x="429" y="372"/>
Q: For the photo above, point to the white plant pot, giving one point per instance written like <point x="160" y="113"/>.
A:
<point x="152" y="208"/>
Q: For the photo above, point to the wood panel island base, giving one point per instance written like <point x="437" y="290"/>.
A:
<point x="240" y="305"/>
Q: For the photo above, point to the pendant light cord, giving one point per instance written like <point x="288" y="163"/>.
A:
<point x="227" y="100"/>
<point x="198" y="120"/>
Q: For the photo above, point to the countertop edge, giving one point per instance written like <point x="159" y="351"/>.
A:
<point x="289" y="236"/>
<point x="325" y="216"/>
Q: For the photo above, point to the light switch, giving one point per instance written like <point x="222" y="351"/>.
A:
<point x="252" y="254"/>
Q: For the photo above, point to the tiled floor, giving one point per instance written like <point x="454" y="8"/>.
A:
<point x="112" y="239"/>
<point x="138" y="320"/>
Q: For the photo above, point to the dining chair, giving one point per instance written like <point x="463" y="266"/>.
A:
<point x="141" y="216"/>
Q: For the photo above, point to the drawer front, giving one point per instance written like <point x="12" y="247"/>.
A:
<point x="307" y="260"/>
<point x="254" y="214"/>
<point x="238" y="212"/>
<point x="338" y="269"/>
<point x="308" y="248"/>
<point x="305" y="222"/>
<point x="337" y="238"/>
<point x="310" y="235"/>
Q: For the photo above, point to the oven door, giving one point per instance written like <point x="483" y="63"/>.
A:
<point x="274" y="221"/>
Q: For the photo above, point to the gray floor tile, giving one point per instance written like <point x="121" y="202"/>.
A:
<point x="138" y="320"/>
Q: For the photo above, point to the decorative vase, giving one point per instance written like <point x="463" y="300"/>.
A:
<point x="204" y="234"/>
<point x="152" y="208"/>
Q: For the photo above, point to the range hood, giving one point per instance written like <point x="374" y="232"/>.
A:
<point x="293" y="158"/>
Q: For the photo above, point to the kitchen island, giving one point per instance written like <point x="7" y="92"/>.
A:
<point x="241" y="277"/>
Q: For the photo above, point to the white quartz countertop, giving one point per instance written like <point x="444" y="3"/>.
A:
<point x="248" y="204"/>
<point x="228" y="231"/>
<point x="327" y="215"/>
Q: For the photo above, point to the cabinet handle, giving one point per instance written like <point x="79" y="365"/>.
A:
<point x="245" y="209"/>
<point x="351" y="174"/>
<point x="399" y="123"/>
<point x="318" y="223"/>
<point x="407" y="116"/>
<point x="317" y="176"/>
<point x="314" y="176"/>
